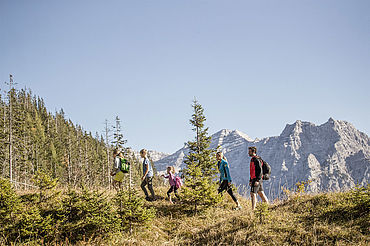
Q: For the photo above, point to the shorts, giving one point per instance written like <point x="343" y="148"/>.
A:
<point x="258" y="188"/>
<point x="118" y="177"/>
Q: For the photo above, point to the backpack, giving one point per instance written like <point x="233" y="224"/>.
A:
<point x="125" y="165"/>
<point x="266" y="169"/>
<point x="178" y="182"/>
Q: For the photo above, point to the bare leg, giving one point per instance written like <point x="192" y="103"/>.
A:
<point x="254" y="200"/>
<point x="263" y="196"/>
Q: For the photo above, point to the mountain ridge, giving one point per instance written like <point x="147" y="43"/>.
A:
<point x="333" y="155"/>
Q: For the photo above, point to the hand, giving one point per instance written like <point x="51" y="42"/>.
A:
<point x="112" y="173"/>
<point x="229" y="183"/>
<point x="250" y="183"/>
<point x="256" y="183"/>
<point x="142" y="178"/>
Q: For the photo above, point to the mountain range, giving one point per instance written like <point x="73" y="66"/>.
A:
<point x="333" y="156"/>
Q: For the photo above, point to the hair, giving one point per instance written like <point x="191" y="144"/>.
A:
<point x="143" y="151"/>
<point x="172" y="168"/>
<point x="115" y="151"/>
<point x="254" y="149"/>
<point x="222" y="155"/>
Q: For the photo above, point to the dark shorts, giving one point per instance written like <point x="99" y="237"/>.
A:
<point x="258" y="188"/>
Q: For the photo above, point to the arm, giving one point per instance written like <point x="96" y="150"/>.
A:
<point x="227" y="172"/>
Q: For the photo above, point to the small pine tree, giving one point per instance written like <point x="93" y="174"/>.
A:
<point x="131" y="210"/>
<point x="118" y="136"/>
<point x="45" y="184"/>
<point x="86" y="214"/>
<point x="9" y="205"/>
<point x="200" y="189"/>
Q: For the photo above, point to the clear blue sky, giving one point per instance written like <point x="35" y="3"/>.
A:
<point x="254" y="65"/>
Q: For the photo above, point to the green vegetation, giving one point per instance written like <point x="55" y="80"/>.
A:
<point x="33" y="139"/>
<point x="71" y="202"/>
<point x="200" y="190"/>
<point x="92" y="217"/>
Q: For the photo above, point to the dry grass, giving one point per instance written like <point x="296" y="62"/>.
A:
<point x="324" y="219"/>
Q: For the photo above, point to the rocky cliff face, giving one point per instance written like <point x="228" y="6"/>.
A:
<point x="334" y="156"/>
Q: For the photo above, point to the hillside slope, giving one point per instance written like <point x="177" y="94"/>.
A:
<point x="324" y="219"/>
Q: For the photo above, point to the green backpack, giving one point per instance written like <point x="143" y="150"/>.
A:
<point x="125" y="165"/>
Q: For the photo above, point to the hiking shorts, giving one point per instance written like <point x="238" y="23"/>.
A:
<point x="258" y="188"/>
<point x="118" y="177"/>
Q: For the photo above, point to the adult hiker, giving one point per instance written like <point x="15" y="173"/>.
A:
<point x="147" y="178"/>
<point x="172" y="180"/>
<point x="255" y="181"/>
<point x="225" y="178"/>
<point x="116" y="170"/>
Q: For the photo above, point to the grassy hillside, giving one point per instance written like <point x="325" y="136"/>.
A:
<point x="324" y="219"/>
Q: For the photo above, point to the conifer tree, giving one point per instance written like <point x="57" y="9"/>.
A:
<point x="33" y="139"/>
<point x="131" y="210"/>
<point x="118" y="141"/>
<point x="200" y="189"/>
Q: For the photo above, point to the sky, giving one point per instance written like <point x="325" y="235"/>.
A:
<point x="254" y="66"/>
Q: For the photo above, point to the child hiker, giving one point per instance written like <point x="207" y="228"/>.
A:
<point x="172" y="181"/>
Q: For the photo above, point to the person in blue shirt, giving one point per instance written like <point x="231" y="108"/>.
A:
<point x="225" y="178"/>
<point x="147" y="178"/>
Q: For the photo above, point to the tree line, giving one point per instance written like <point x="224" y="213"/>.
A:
<point x="34" y="139"/>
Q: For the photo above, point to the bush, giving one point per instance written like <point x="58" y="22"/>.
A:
<point x="9" y="207"/>
<point x="131" y="211"/>
<point x="85" y="215"/>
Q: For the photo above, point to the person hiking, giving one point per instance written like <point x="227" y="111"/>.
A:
<point x="147" y="178"/>
<point x="171" y="180"/>
<point x="116" y="170"/>
<point x="225" y="178"/>
<point x="255" y="181"/>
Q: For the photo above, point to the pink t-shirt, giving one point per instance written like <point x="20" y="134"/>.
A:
<point x="171" y="179"/>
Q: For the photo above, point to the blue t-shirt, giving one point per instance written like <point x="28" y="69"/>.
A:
<point x="146" y="164"/>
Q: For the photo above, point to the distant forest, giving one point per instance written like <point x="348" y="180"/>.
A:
<point x="34" y="139"/>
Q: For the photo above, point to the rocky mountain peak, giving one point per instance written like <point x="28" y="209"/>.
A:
<point x="334" y="155"/>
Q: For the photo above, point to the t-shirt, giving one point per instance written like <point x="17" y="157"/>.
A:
<point x="146" y="164"/>
<point x="117" y="164"/>
<point x="171" y="179"/>
<point x="255" y="169"/>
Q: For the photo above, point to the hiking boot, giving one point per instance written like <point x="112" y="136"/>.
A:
<point x="148" y="199"/>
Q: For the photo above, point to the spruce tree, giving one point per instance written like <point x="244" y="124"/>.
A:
<point x="200" y="189"/>
<point x="118" y="136"/>
<point x="131" y="210"/>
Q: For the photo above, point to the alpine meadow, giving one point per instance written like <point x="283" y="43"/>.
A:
<point x="56" y="189"/>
